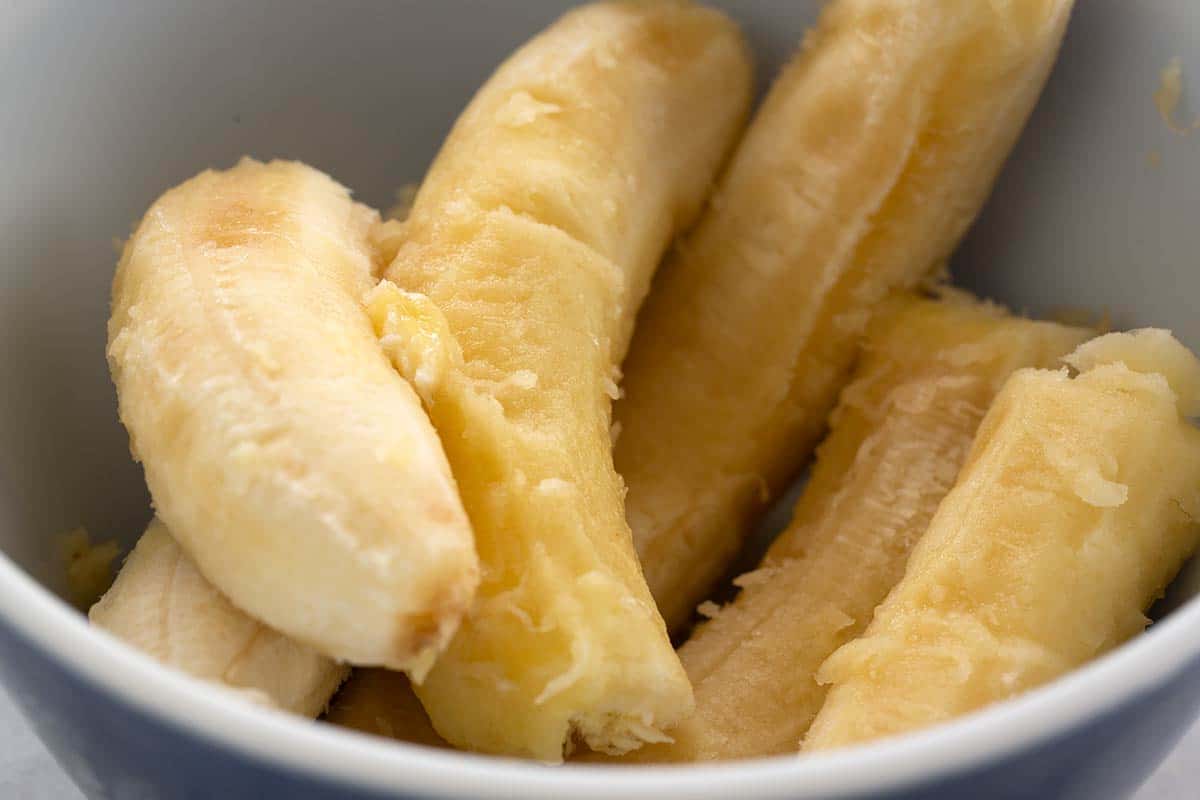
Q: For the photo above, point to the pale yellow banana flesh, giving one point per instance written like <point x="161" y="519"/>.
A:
<point x="162" y="605"/>
<point x="898" y="436"/>
<point x="518" y="274"/>
<point x="292" y="464"/>
<point x="1077" y="505"/>
<point x="381" y="702"/>
<point x="89" y="566"/>
<point x="872" y="154"/>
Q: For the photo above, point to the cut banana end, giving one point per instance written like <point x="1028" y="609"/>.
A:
<point x="1078" y="503"/>
<point x="872" y="154"/>
<point x="518" y="274"/>
<point x="898" y="437"/>
<point x="381" y="702"/>
<point x="290" y="461"/>
<point x="163" y="606"/>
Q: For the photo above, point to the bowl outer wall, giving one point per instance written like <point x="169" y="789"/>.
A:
<point x="125" y="727"/>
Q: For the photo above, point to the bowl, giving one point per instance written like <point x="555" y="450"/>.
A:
<point x="106" y="105"/>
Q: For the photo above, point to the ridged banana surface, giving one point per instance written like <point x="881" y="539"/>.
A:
<point x="290" y="461"/>
<point x="872" y="154"/>
<point x="163" y="606"/>
<point x="1078" y="503"/>
<point x="510" y="302"/>
<point x="897" y="439"/>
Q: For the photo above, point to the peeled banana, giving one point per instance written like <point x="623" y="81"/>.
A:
<point x="509" y="303"/>
<point x="1079" y="501"/>
<point x="162" y="605"/>
<point x="871" y="156"/>
<point x="898" y="437"/>
<point x="289" y="460"/>
<point x="89" y="566"/>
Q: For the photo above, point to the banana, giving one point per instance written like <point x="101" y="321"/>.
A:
<point x="898" y="437"/>
<point x="88" y="566"/>
<point x="870" y="157"/>
<point x="381" y="702"/>
<point x="162" y="605"/>
<point x="510" y="301"/>
<point x="1079" y="501"/>
<point x="290" y="461"/>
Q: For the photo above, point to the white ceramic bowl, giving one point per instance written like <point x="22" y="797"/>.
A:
<point x="107" y="104"/>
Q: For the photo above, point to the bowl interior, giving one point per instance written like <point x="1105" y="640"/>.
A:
<point x="108" y="105"/>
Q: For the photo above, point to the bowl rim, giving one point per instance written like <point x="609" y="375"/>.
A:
<point x="288" y="743"/>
